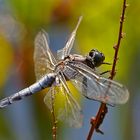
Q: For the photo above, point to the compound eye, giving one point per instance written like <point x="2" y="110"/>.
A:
<point x="97" y="57"/>
<point x="103" y="57"/>
<point x="92" y="53"/>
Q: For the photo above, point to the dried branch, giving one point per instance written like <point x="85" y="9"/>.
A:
<point x="54" y="121"/>
<point x="97" y="121"/>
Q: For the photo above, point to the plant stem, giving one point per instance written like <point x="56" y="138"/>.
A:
<point x="54" y="128"/>
<point x="97" y="121"/>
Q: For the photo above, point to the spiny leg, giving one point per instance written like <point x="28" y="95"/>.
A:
<point x="107" y="71"/>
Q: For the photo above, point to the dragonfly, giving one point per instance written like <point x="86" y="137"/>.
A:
<point x="55" y="73"/>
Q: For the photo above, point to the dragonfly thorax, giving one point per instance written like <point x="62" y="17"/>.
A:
<point x="95" y="58"/>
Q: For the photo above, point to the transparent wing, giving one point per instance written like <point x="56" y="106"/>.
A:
<point x="95" y="87"/>
<point x="61" y="54"/>
<point x="43" y="58"/>
<point x="66" y="108"/>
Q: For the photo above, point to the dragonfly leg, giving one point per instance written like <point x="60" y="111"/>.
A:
<point x="106" y="63"/>
<point x="105" y="72"/>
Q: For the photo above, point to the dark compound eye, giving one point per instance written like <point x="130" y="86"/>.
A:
<point x="91" y="53"/>
<point x="96" y="57"/>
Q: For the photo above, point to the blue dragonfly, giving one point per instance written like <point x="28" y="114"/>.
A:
<point x="54" y="73"/>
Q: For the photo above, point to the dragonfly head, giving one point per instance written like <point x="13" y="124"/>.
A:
<point x="95" y="58"/>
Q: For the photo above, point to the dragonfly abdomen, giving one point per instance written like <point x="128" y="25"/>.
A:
<point x="44" y="82"/>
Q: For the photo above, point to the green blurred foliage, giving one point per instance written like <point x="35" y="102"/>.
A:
<point x="33" y="13"/>
<point x="6" y="54"/>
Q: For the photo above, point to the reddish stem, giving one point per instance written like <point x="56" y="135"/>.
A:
<point x="120" y="36"/>
<point x="97" y="121"/>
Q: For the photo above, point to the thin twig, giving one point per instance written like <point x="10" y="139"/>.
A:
<point x="97" y="121"/>
<point x="54" y="128"/>
<point x="120" y="36"/>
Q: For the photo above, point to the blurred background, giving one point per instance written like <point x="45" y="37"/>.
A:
<point x="21" y="20"/>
